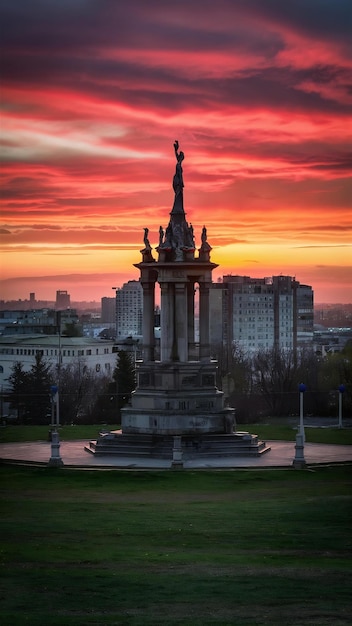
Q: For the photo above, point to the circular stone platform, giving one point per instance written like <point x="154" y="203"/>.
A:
<point x="74" y="455"/>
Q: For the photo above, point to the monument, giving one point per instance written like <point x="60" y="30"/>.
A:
<point x="176" y="395"/>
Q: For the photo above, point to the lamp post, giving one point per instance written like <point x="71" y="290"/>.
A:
<point x="53" y="392"/>
<point x="302" y="388"/>
<point x="299" y="460"/>
<point x="59" y="363"/>
<point x="55" y="459"/>
<point x="342" y="389"/>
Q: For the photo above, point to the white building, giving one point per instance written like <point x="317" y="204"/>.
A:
<point x="94" y="354"/>
<point x="129" y="310"/>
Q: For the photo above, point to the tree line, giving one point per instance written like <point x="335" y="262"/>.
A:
<point x="265" y="383"/>
<point x="258" y="385"/>
<point x="84" y="396"/>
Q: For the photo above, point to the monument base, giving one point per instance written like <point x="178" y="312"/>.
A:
<point x="157" y="423"/>
<point x="177" y="398"/>
<point x="194" y="446"/>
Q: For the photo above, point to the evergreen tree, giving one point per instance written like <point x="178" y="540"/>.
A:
<point x="72" y="329"/>
<point x="38" y="403"/>
<point x="106" y="407"/>
<point x="124" y="378"/>
<point x="19" y="389"/>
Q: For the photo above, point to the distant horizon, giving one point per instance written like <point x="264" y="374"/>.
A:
<point x="90" y="287"/>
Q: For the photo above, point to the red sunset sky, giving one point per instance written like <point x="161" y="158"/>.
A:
<point x="94" y="93"/>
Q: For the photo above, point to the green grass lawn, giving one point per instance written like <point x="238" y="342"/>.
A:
<point x="176" y="548"/>
<point x="277" y="430"/>
<point x="282" y="432"/>
<point x="19" y="433"/>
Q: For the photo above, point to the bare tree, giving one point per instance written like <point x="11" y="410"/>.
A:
<point x="276" y="375"/>
<point x="79" y="389"/>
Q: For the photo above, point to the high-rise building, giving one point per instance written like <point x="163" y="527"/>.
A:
<point x="261" y="313"/>
<point x="304" y="314"/>
<point x="129" y="307"/>
<point x="62" y="300"/>
<point x="108" y="310"/>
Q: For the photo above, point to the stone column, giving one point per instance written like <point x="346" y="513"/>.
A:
<point x="148" y="320"/>
<point x="181" y="321"/>
<point x="167" y="330"/>
<point x="204" y="341"/>
<point x="190" y="322"/>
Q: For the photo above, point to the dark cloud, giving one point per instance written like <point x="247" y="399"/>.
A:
<point x="320" y="18"/>
<point x="78" y="45"/>
<point x="141" y="21"/>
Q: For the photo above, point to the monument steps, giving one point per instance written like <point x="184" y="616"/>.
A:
<point x="193" y="446"/>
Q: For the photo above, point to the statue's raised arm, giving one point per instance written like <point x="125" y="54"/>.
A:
<point x="178" y="178"/>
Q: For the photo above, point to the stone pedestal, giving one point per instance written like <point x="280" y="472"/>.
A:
<point x="55" y="459"/>
<point x="176" y="398"/>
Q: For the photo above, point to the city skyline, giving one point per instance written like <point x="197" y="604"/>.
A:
<point x="94" y="95"/>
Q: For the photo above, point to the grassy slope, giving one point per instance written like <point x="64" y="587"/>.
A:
<point x="278" y="430"/>
<point x="147" y="548"/>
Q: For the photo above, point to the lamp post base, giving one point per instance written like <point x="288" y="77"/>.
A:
<point x="55" y="459"/>
<point x="299" y="460"/>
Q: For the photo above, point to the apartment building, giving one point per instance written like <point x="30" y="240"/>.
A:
<point x="261" y="313"/>
<point x="129" y="310"/>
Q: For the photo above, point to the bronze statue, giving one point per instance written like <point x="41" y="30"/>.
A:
<point x="146" y="240"/>
<point x="178" y="178"/>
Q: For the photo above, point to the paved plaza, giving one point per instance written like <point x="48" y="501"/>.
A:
<point x="74" y="455"/>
